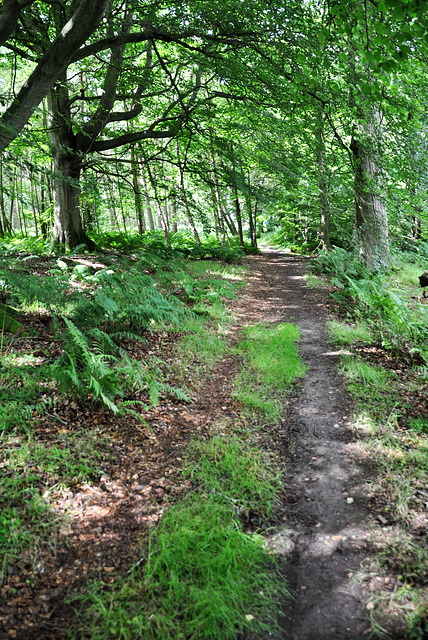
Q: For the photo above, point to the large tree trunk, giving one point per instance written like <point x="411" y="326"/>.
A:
<point x="371" y="220"/>
<point x="68" y="229"/>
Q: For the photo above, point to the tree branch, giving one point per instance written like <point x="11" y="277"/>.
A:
<point x="50" y="67"/>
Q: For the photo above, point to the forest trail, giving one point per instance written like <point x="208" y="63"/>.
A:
<point x="323" y="529"/>
<point x="326" y="524"/>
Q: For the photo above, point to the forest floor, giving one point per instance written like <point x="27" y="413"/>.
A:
<point x="323" y="527"/>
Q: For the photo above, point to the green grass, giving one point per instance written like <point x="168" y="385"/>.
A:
<point x="272" y="364"/>
<point x="27" y="522"/>
<point x="232" y="467"/>
<point x="357" y="370"/>
<point x="23" y="389"/>
<point x="205" y="578"/>
<point x="343" y="334"/>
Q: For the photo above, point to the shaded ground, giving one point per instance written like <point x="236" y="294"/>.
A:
<point x="324" y="533"/>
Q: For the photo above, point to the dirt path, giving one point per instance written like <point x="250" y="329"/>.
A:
<point x="326" y="520"/>
<point x="322" y="537"/>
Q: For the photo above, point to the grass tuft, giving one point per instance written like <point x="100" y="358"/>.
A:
<point x="272" y="365"/>
<point x="234" y="468"/>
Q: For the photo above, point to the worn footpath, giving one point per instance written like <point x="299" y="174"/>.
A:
<point x="324" y="537"/>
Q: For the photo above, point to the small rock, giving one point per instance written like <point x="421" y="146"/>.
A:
<point x="349" y="500"/>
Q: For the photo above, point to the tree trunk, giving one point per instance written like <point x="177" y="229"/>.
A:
<point x="122" y="210"/>
<point x="111" y="206"/>
<point x="163" y="220"/>
<point x="4" y="222"/>
<point x="50" y="67"/>
<point x="251" y="222"/>
<point x="184" y="196"/>
<point x="230" y="223"/>
<point x="416" y="226"/>
<point x="137" y="193"/>
<point x="371" y="220"/>
<point x="68" y="229"/>
<point x="149" y="212"/>
<point x="238" y="215"/>
<point x="34" y="203"/>
<point x="173" y="214"/>
<point x="321" y="163"/>
<point x="217" y="197"/>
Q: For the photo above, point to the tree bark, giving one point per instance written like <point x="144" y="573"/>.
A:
<point x="68" y="229"/>
<point x="149" y="212"/>
<point x="5" y="226"/>
<point x="321" y="163"/>
<point x="371" y="220"/>
<point x="238" y="215"/>
<point x="137" y="193"/>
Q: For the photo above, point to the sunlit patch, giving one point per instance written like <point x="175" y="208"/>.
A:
<point x="341" y="352"/>
<point x="21" y="360"/>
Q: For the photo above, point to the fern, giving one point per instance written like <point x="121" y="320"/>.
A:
<point x="93" y="365"/>
<point x="25" y="288"/>
<point x="83" y="372"/>
<point x="128" y="301"/>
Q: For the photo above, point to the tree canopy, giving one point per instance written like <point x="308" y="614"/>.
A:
<point x="307" y="117"/>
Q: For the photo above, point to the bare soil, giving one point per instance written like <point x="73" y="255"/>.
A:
<point x="323" y="532"/>
<point x="324" y="539"/>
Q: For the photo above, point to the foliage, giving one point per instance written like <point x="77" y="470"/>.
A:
<point x="33" y="292"/>
<point x="24" y="389"/>
<point x="393" y="322"/>
<point x="181" y="244"/>
<point x="126" y="299"/>
<point x="89" y="368"/>
<point x="88" y="371"/>
<point x="344" y="334"/>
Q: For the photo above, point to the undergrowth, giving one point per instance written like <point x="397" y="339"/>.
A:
<point x="395" y="317"/>
<point x="31" y="470"/>
<point x="93" y="309"/>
